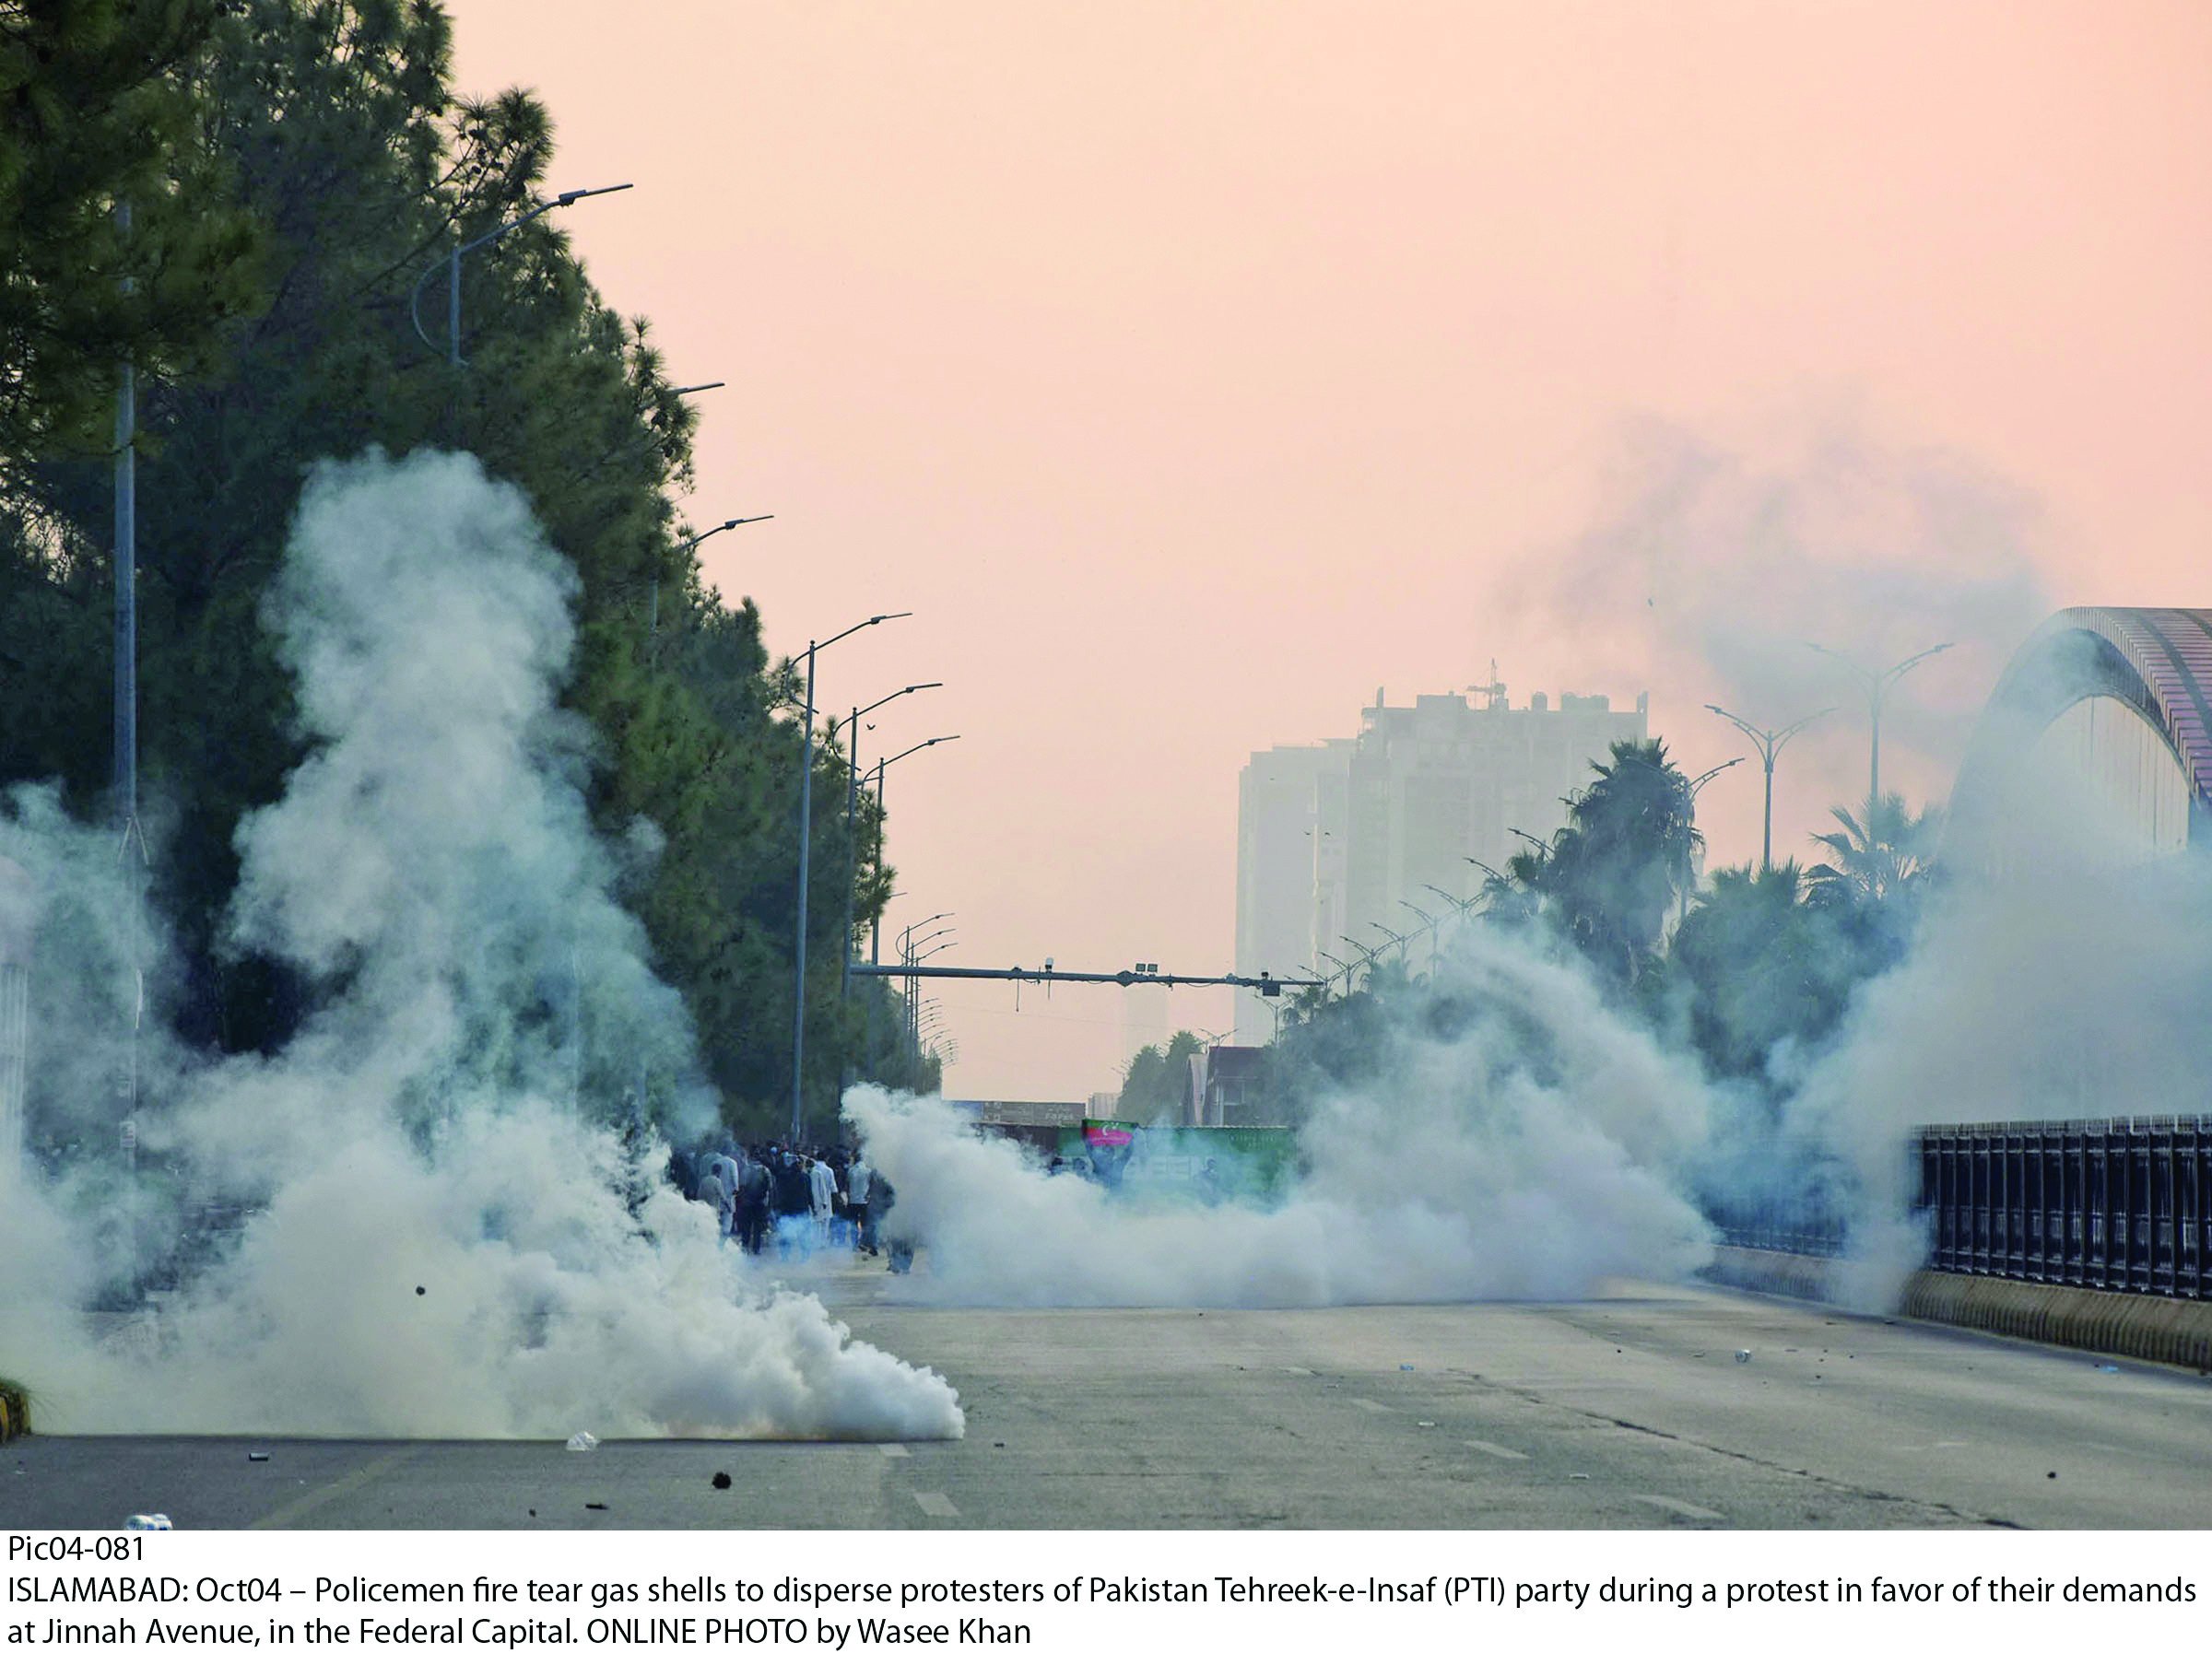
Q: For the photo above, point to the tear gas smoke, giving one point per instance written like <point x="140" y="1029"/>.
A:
<point x="2062" y="974"/>
<point x="1519" y="1140"/>
<point x="433" y="868"/>
<point x="1709" y="566"/>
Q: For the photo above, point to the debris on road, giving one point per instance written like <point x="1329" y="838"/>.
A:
<point x="1742" y="1356"/>
<point x="582" y="1442"/>
<point x="148" y="1523"/>
<point x="257" y="1456"/>
<point x="721" y="1482"/>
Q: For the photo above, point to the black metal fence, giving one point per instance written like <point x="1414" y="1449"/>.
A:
<point x="2096" y="1205"/>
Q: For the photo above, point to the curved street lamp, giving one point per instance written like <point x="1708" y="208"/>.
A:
<point x="1877" y="684"/>
<point x="798" y="1016"/>
<point x="1770" y="743"/>
<point x="452" y="264"/>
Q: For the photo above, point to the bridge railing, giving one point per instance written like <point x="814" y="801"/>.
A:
<point x="2121" y="1205"/>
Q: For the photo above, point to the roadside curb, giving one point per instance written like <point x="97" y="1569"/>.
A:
<point x="15" y="1411"/>
<point x="2097" y="1320"/>
<point x="2150" y="1326"/>
<point x="1768" y="1272"/>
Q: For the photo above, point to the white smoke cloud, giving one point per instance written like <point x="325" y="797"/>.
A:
<point x="2049" y="998"/>
<point x="1709" y="564"/>
<point x="440" y="1236"/>
<point x="1522" y="1142"/>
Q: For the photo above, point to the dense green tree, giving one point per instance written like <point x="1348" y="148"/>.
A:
<point x="334" y="124"/>
<point x="102" y="108"/>
<point x="1629" y="848"/>
<point x="1157" y="1086"/>
<point x="1755" y="967"/>
<point x="1880" y="854"/>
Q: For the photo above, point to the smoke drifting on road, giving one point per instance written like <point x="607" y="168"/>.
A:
<point x="1519" y="1141"/>
<point x="442" y="1238"/>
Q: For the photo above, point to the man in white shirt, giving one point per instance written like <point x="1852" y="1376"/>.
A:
<point x="857" y="1200"/>
<point x="822" y="1184"/>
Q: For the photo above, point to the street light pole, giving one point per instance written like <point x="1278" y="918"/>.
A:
<point x="1696" y="786"/>
<point x="844" y="983"/>
<point x="798" y="1015"/>
<point x="1877" y="685"/>
<point x="131" y="849"/>
<point x="1770" y="743"/>
<point x="654" y="626"/>
<point x="875" y="941"/>
<point x="453" y="269"/>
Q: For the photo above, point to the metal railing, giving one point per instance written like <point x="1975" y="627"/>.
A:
<point x="1783" y="1225"/>
<point x="2116" y="1206"/>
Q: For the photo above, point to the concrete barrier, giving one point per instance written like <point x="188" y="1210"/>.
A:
<point x="2099" y="1320"/>
<point x="1770" y="1272"/>
<point x="2096" y="1320"/>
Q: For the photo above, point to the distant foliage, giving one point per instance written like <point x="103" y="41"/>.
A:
<point x="1759" y="971"/>
<point x="313" y="162"/>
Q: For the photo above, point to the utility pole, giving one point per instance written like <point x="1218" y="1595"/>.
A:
<point x="1770" y="743"/>
<point x="798" y="1015"/>
<point x="132" y="845"/>
<point x="1876" y="685"/>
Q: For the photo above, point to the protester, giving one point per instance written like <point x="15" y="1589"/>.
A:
<point x="751" y="1212"/>
<point x="793" y="1202"/>
<point x="715" y="1191"/>
<point x="857" y="1200"/>
<point x="821" y="1183"/>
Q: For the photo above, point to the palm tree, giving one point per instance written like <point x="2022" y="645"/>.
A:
<point x="1514" y="896"/>
<point x="1880" y="853"/>
<point x="1629" y="846"/>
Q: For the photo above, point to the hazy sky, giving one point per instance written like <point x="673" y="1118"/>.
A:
<point x="1193" y="370"/>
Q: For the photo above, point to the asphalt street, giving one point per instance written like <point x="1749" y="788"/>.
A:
<point x="1630" y="1412"/>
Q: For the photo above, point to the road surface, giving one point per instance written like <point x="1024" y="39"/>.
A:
<point x="1629" y="1412"/>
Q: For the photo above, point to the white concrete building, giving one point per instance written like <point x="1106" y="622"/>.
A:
<point x="1333" y="839"/>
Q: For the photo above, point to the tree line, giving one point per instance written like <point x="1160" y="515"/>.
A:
<point x="1749" y="972"/>
<point x="237" y="198"/>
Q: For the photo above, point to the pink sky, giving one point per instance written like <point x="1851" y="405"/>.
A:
<point x="1193" y="370"/>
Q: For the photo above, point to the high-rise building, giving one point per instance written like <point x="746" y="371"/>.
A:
<point x="1332" y="840"/>
<point x="1283" y="852"/>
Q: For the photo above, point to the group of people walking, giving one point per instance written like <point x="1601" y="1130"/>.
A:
<point x="801" y="1201"/>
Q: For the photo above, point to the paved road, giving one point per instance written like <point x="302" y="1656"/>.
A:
<point x="1630" y="1412"/>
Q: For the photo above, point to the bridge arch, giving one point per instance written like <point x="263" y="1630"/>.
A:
<point x="2125" y="694"/>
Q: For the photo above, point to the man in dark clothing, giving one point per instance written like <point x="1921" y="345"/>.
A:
<point x="898" y="1252"/>
<point x="794" y="1204"/>
<point x="752" y="1205"/>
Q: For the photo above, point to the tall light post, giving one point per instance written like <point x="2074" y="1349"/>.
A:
<point x="652" y="628"/>
<point x="1429" y="922"/>
<point x="1696" y="786"/>
<point x="798" y="1016"/>
<point x="1770" y="743"/>
<point x="910" y="990"/>
<point x="928" y="947"/>
<point x="1465" y="904"/>
<point x="844" y="983"/>
<point x="1396" y="941"/>
<point x="1340" y="965"/>
<point x="132" y="846"/>
<point x="1876" y="685"/>
<point x="875" y="941"/>
<point x="453" y="268"/>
